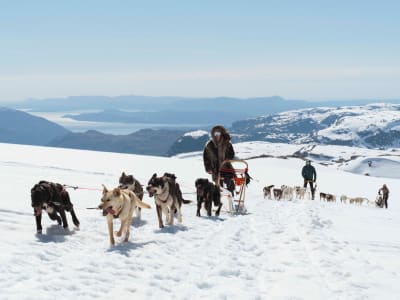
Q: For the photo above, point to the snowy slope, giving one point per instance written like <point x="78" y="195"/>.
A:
<point x="385" y="163"/>
<point x="281" y="250"/>
<point x="371" y="126"/>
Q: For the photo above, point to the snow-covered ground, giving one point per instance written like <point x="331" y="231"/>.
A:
<point x="385" y="163"/>
<point x="298" y="249"/>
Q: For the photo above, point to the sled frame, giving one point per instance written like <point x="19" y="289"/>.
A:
<point x="239" y="179"/>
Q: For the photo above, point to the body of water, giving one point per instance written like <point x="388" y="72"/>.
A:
<point x="106" y="127"/>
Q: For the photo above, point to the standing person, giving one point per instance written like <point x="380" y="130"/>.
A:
<point x="218" y="149"/>
<point x="310" y="176"/>
<point x="385" y="195"/>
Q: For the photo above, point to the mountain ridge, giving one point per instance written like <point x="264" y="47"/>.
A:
<point x="370" y="126"/>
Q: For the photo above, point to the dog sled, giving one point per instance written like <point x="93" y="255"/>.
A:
<point x="233" y="178"/>
<point x="379" y="201"/>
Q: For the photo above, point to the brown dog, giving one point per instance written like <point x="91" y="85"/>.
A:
<point x="120" y="204"/>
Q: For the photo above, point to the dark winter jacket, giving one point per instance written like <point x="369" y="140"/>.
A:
<point x="309" y="173"/>
<point x="215" y="153"/>
<point x="384" y="190"/>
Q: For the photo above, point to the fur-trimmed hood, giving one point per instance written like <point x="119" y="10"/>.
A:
<point x="224" y="133"/>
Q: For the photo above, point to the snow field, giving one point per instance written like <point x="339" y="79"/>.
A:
<point x="296" y="249"/>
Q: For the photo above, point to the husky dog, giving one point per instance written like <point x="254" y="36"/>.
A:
<point x="277" y="194"/>
<point x="300" y="192"/>
<point x="208" y="193"/>
<point x="120" y="204"/>
<point x="168" y="197"/>
<point x="268" y="192"/>
<point x="53" y="198"/>
<point x="330" y="198"/>
<point x="358" y="200"/>
<point x="287" y="192"/>
<point x="131" y="183"/>
<point x="322" y="196"/>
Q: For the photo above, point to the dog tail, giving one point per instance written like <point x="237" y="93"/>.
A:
<point x="138" y="202"/>
<point x="142" y="204"/>
<point x="186" y="201"/>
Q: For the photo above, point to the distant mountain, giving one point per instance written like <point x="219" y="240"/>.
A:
<point x="375" y="126"/>
<point x="200" y="118"/>
<point x="194" y="112"/>
<point x="247" y="107"/>
<point x="18" y="127"/>
<point x="189" y="142"/>
<point x="146" y="103"/>
<point x="370" y="126"/>
<point x="146" y="141"/>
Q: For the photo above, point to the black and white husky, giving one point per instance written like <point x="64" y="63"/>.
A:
<point x="167" y="196"/>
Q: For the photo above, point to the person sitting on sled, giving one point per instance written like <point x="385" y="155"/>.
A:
<point x="218" y="149"/>
<point x="310" y="176"/>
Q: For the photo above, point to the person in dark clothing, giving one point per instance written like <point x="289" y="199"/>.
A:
<point x="384" y="191"/>
<point x="310" y="176"/>
<point x="218" y="149"/>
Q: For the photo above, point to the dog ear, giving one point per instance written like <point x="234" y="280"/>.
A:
<point x="154" y="175"/>
<point x="123" y="174"/>
<point x="104" y="189"/>
<point x="116" y="192"/>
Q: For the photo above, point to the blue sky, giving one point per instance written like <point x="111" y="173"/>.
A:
<point x="296" y="49"/>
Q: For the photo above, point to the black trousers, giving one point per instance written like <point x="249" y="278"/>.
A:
<point x="311" y="183"/>
<point x="385" y="199"/>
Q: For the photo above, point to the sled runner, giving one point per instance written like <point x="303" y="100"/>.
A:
<point x="233" y="179"/>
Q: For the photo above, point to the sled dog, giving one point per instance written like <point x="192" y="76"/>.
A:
<point x="54" y="199"/>
<point x="120" y="204"/>
<point x="277" y="194"/>
<point x="168" y="197"/>
<point x="208" y="193"/>
<point x="268" y="192"/>
<point x="131" y="183"/>
<point x="300" y="192"/>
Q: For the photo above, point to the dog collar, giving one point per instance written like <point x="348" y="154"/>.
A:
<point x="166" y="198"/>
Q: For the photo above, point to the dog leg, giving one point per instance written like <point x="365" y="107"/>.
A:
<point x="179" y="214"/>
<point x="217" y="212"/>
<point x="64" y="218"/>
<point x="139" y="212"/>
<point x="128" y="232"/>
<point x="208" y="204"/>
<point x="128" y="226"/>
<point x="74" y="217"/>
<point x="119" y="232"/>
<point x="198" y="207"/>
<point x="110" y="229"/>
<point x="165" y="211"/>
<point x="159" y="215"/>
<point x="38" y="219"/>
<point x="55" y="217"/>
<point x="171" y="215"/>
